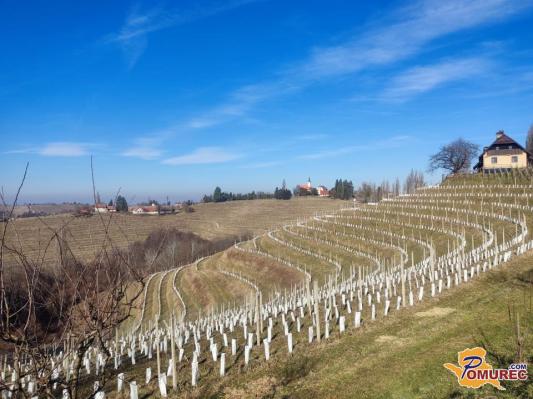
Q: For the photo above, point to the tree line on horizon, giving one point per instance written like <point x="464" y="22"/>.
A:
<point x="222" y="196"/>
<point x="343" y="189"/>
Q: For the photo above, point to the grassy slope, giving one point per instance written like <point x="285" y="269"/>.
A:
<point x="402" y="356"/>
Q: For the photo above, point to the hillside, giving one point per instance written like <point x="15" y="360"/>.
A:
<point x="447" y="228"/>
<point x="363" y="301"/>
<point x="86" y="236"/>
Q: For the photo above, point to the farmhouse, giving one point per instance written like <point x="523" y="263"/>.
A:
<point x="503" y="155"/>
<point x="145" y="210"/>
<point x="103" y="208"/>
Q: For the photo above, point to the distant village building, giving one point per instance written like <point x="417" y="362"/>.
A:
<point x="103" y="208"/>
<point x="166" y="209"/>
<point x="322" y="191"/>
<point x="145" y="210"/>
<point x="308" y="187"/>
<point x="100" y="208"/>
<point x="503" y="155"/>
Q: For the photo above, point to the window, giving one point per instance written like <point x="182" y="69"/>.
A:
<point x="494" y="160"/>
<point x="514" y="159"/>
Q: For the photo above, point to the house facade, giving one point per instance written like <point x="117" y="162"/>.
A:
<point x="103" y="208"/>
<point x="503" y="155"/>
<point x="145" y="210"/>
<point x="322" y="191"/>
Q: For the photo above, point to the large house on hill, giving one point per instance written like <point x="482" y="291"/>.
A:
<point x="503" y="155"/>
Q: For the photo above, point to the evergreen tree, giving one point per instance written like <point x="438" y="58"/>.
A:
<point x="121" y="204"/>
<point x="282" y="193"/>
<point x="217" y="194"/>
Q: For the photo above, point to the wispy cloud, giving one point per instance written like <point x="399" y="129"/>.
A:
<point x="150" y="146"/>
<point x="263" y="165"/>
<point x="240" y="102"/>
<point x="203" y="155"/>
<point x="311" y="137"/>
<point x="421" y="79"/>
<point x="398" y="36"/>
<point x="143" y="152"/>
<point x="390" y="142"/>
<point x="405" y="34"/>
<point x="132" y="37"/>
<point x="58" y="149"/>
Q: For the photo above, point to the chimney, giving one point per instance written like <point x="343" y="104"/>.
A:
<point x="499" y="134"/>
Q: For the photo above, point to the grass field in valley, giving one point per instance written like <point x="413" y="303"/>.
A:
<point x="86" y="236"/>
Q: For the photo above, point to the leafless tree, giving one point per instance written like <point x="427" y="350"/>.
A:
<point x="454" y="157"/>
<point x="50" y="315"/>
<point x="529" y="140"/>
<point x="414" y="180"/>
<point x="396" y="187"/>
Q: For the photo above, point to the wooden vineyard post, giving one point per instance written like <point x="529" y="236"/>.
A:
<point x="317" y="317"/>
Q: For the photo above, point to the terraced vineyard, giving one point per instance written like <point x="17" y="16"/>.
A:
<point x="320" y="278"/>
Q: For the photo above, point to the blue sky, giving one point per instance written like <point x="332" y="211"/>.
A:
<point x="173" y="98"/>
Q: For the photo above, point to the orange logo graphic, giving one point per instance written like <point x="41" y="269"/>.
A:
<point x="473" y="371"/>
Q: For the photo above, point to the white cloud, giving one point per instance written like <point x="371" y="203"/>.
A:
<point x="64" y="149"/>
<point x="142" y="152"/>
<point x="421" y="79"/>
<point x="203" y="155"/>
<point x="389" y="142"/>
<point x="132" y="36"/>
<point x="311" y="137"/>
<point x="411" y="29"/>
<point x="239" y="103"/>
<point x="150" y="145"/>
<point x="58" y="149"/>
<point x="397" y="37"/>
<point x="262" y="165"/>
<point x="333" y="153"/>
